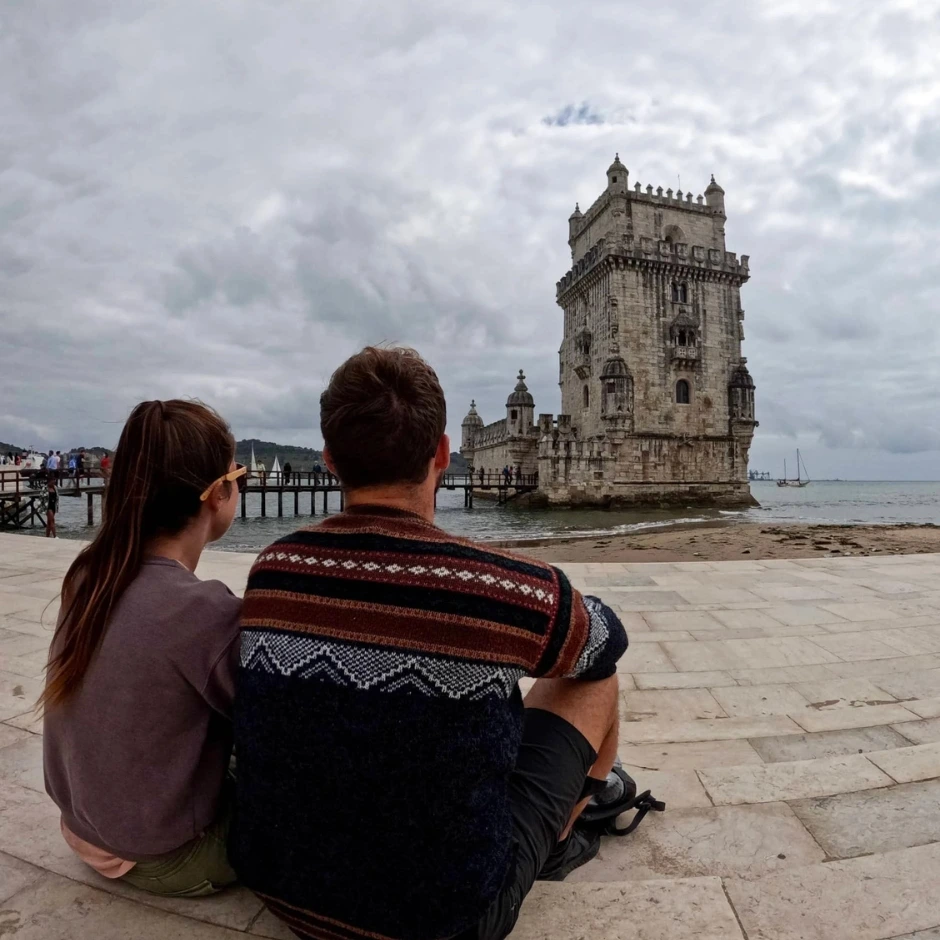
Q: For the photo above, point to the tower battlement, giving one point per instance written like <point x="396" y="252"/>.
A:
<point x="700" y="259"/>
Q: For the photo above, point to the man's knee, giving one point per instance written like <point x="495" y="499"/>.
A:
<point x="592" y="707"/>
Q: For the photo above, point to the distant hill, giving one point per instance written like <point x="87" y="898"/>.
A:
<point x="458" y="464"/>
<point x="10" y="448"/>
<point x="300" y="458"/>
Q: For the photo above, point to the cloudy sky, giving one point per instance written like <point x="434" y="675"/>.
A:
<point x="224" y="198"/>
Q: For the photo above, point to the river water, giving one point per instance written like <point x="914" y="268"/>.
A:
<point x="849" y="503"/>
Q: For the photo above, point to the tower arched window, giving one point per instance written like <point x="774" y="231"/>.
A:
<point x="587" y="397"/>
<point x="683" y="392"/>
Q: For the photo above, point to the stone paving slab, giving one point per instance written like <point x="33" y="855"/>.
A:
<point x="722" y="840"/>
<point x="695" y="755"/>
<point x="830" y="743"/>
<point x="841" y="719"/>
<point x="55" y="908"/>
<point x="792" y="780"/>
<point x="678" y="909"/>
<point x="674" y="705"/>
<point x="760" y="701"/>
<point x="683" y="680"/>
<point x="907" y="764"/>
<point x="869" y="821"/>
<point x="662" y="731"/>
<point x="678" y="789"/>
<point x="920" y="732"/>
<point x="871" y="898"/>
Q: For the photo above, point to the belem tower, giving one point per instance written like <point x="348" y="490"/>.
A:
<point x="657" y="404"/>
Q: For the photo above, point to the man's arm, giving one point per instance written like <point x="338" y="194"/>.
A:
<point x="587" y="638"/>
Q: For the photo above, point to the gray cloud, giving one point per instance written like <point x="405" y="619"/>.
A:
<point x="573" y="114"/>
<point x="225" y="200"/>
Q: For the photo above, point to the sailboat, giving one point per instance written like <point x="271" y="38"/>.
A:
<point x="799" y="481"/>
<point x="276" y="471"/>
<point x="254" y="474"/>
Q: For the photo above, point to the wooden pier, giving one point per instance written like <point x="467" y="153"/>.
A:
<point x="23" y="502"/>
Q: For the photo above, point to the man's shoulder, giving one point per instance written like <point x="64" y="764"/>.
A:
<point x="348" y="540"/>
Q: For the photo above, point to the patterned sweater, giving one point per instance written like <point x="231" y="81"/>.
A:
<point x="378" y="717"/>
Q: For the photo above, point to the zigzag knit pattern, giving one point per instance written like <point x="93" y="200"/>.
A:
<point x="378" y="717"/>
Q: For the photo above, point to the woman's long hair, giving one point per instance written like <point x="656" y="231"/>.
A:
<point x="169" y="452"/>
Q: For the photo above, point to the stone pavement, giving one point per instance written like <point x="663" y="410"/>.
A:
<point x="787" y="711"/>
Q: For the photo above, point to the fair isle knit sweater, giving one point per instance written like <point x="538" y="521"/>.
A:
<point x="378" y="717"/>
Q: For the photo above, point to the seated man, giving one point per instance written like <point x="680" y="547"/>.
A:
<point x="392" y="783"/>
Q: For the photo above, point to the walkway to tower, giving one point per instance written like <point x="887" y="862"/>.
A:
<point x="788" y="712"/>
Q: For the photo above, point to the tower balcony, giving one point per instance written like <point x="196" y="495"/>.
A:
<point x="685" y="355"/>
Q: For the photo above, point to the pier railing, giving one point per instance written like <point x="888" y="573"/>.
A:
<point x="23" y="494"/>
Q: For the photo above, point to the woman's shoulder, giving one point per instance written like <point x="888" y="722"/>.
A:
<point x="179" y="591"/>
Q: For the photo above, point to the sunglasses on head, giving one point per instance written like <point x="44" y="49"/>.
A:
<point x="239" y="475"/>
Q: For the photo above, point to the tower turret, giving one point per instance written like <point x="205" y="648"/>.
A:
<point x="715" y="196"/>
<point x="617" y="176"/>
<point x="469" y="427"/>
<point x="574" y="222"/>
<point x="741" y="396"/>
<point x="520" y="408"/>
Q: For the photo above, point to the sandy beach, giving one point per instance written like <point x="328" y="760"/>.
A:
<point x="714" y="542"/>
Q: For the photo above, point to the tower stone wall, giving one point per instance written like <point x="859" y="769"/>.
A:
<point x="657" y="401"/>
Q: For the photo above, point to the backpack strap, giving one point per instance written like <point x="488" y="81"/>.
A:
<point x="603" y="817"/>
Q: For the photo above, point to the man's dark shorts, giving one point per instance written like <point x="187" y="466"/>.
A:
<point x="553" y="762"/>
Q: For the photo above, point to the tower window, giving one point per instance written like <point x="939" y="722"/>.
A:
<point x="611" y="388"/>
<point x="512" y="414"/>
<point x="587" y="397"/>
<point x="614" y="179"/>
<point x="682" y="392"/>
<point x="680" y="293"/>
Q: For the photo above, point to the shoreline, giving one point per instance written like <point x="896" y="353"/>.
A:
<point x="735" y="541"/>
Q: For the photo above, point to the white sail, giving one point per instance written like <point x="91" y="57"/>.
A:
<point x="254" y="463"/>
<point x="276" y="470"/>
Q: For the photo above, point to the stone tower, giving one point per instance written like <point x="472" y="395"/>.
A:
<point x="657" y="402"/>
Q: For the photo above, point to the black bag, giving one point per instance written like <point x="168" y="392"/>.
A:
<point x="602" y="817"/>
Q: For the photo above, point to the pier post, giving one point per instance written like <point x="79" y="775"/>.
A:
<point x="313" y="502"/>
<point x="297" y="502"/>
<point x="280" y="503"/>
<point x="325" y="492"/>
<point x="342" y="500"/>
<point x="244" y="505"/>
<point x="91" y="509"/>
<point x="264" y="508"/>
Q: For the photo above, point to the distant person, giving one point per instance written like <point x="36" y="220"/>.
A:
<point x="482" y="475"/>
<point x="263" y="474"/>
<point x="139" y="688"/>
<point x="105" y="468"/>
<point x="73" y="468"/>
<point x="79" y="465"/>
<point x="52" y="466"/>
<point x="287" y="470"/>
<point x="44" y="463"/>
<point x="507" y="475"/>
<point x="52" y="507"/>
<point x="518" y="474"/>
<point x="317" y="470"/>
<point x="391" y="781"/>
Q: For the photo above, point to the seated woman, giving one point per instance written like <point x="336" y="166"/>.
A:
<point x="141" y="677"/>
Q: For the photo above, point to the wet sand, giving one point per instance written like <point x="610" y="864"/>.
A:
<point x="735" y="541"/>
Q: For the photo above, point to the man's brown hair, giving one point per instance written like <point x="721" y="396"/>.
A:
<point x="382" y="417"/>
